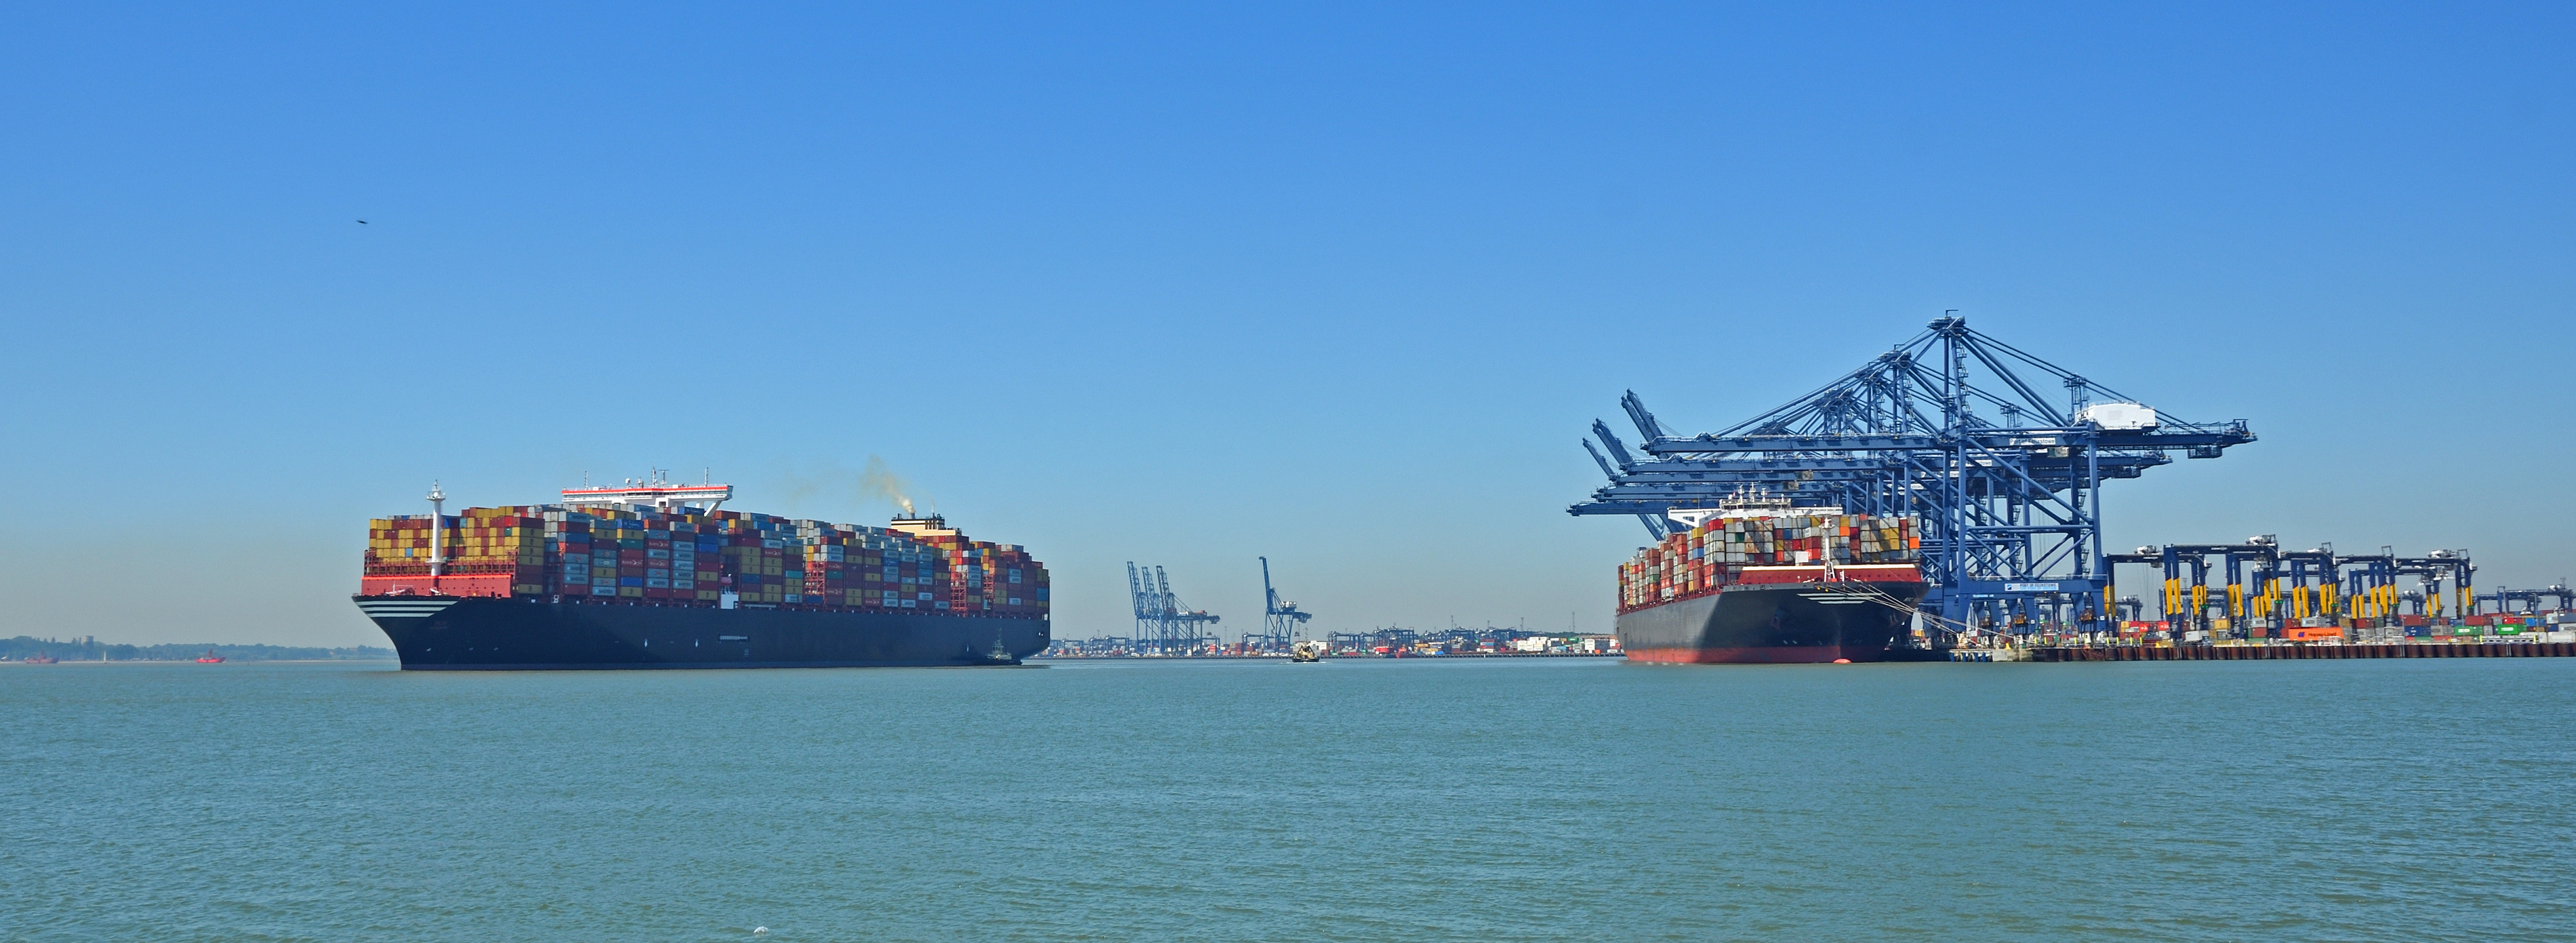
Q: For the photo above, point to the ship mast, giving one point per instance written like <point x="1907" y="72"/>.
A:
<point x="437" y="527"/>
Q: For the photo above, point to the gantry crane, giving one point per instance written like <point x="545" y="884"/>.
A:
<point x="2531" y="599"/>
<point x="1280" y="619"/>
<point x="2190" y="605"/>
<point x="2004" y="483"/>
<point x="1162" y="625"/>
<point x="2269" y="588"/>
<point x="2429" y="571"/>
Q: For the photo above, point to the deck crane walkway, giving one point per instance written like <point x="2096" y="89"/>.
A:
<point x="1162" y="626"/>
<point x="2004" y="482"/>
<point x="1280" y="619"/>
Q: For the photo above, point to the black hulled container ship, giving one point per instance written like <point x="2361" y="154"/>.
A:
<point x="1759" y="581"/>
<point x="655" y="575"/>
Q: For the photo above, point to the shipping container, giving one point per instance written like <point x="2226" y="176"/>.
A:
<point x="1716" y="552"/>
<point x="700" y="558"/>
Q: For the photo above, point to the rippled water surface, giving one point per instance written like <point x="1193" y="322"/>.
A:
<point x="1382" y="800"/>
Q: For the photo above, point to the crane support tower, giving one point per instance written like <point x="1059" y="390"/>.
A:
<point x="1281" y="620"/>
<point x="1163" y="627"/>
<point x="1951" y="428"/>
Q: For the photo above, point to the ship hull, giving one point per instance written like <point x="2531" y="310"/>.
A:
<point x="1796" y="623"/>
<point x="434" y="633"/>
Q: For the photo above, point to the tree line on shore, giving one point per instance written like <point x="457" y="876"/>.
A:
<point x="89" y="648"/>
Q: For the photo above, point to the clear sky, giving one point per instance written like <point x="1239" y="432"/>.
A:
<point x="1339" y="285"/>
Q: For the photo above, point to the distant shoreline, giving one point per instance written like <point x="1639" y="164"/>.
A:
<point x="89" y="649"/>
<point x="188" y="661"/>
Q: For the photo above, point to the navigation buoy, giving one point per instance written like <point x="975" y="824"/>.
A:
<point x="1842" y="661"/>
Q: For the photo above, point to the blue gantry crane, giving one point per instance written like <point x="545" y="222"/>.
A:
<point x="1162" y="626"/>
<point x="2532" y="600"/>
<point x="1280" y="619"/>
<point x="1959" y="430"/>
<point x="2269" y="589"/>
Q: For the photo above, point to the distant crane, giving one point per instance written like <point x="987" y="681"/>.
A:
<point x="1280" y="619"/>
<point x="1162" y="626"/>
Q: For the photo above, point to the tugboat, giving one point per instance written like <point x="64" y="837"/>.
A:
<point x="1306" y="653"/>
<point x="211" y="658"/>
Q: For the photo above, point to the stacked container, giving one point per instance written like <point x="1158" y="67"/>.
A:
<point x="604" y="554"/>
<point x="995" y="578"/>
<point x="869" y="567"/>
<point x="1714" y="554"/>
<point x="487" y="551"/>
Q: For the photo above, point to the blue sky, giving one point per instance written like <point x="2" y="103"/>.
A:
<point x="1339" y="285"/>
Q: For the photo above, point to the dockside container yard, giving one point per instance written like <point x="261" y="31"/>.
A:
<point x="1949" y="457"/>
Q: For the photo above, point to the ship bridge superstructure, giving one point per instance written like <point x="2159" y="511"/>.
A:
<point x="1999" y="456"/>
<point x="654" y="491"/>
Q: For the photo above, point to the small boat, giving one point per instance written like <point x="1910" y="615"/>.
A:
<point x="1306" y="653"/>
<point x="211" y="658"/>
<point x="42" y="659"/>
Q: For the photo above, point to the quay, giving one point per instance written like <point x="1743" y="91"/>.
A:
<point x="2267" y="652"/>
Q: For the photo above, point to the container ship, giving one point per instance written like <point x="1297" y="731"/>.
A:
<point x="1759" y="581"/>
<point x="655" y="575"/>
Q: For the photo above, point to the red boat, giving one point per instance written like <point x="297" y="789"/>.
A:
<point x="42" y="659"/>
<point x="211" y="658"/>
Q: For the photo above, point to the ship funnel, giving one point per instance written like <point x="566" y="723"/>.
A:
<point x="927" y="525"/>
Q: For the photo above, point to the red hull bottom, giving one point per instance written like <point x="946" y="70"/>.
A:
<point x="1763" y="655"/>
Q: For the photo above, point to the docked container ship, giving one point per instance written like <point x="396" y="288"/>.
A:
<point x="1756" y="580"/>
<point x="655" y="575"/>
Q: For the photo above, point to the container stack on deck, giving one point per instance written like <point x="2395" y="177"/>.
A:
<point x="608" y="555"/>
<point x="490" y="551"/>
<point x="979" y="576"/>
<point x="1714" y="555"/>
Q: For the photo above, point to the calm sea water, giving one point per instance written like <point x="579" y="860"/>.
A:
<point x="1403" y="800"/>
